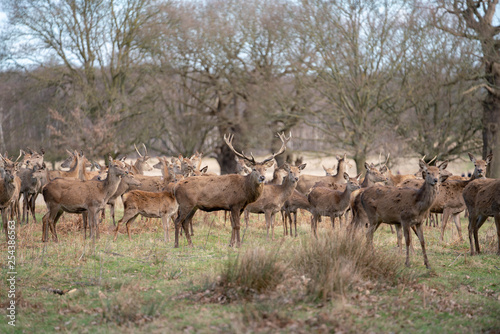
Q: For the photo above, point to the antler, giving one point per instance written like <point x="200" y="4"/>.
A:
<point x="138" y="151"/>
<point x="229" y="141"/>
<point x="284" y="141"/>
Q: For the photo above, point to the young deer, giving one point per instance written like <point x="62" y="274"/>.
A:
<point x="332" y="203"/>
<point x="296" y="201"/>
<point x="306" y="182"/>
<point x="74" y="196"/>
<point x="274" y="196"/>
<point x="141" y="165"/>
<point x="225" y="192"/>
<point x="150" y="204"/>
<point x="403" y="207"/>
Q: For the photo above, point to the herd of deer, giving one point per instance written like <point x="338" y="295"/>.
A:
<point x="404" y="201"/>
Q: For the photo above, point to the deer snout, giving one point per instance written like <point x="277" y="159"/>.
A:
<point x="262" y="178"/>
<point x="480" y="171"/>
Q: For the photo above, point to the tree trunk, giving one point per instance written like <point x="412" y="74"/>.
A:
<point x="226" y="159"/>
<point x="491" y="119"/>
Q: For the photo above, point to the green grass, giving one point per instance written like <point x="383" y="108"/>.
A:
<point x="149" y="286"/>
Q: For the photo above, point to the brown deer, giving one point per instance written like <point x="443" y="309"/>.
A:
<point x="274" y="196"/>
<point x="74" y="196"/>
<point x="404" y="207"/>
<point x="306" y="182"/>
<point x="225" y="192"/>
<point x="9" y="192"/>
<point x="296" y="201"/>
<point x="150" y="204"/>
<point x="482" y="199"/>
<point x="332" y="203"/>
<point x="449" y="200"/>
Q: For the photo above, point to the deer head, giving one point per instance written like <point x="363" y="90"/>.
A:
<point x="258" y="168"/>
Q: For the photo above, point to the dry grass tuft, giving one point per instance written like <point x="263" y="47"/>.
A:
<point x="257" y="270"/>
<point x="336" y="261"/>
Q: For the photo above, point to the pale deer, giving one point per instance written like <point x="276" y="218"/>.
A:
<point x="306" y="182"/>
<point x="330" y="171"/>
<point x="331" y="203"/>
<point x="404" y="207"/>
<point x="74" y="196"/>
<point x="449" y="200"/>
<point x="229" y="192"/>
<point x="274" y="196"/>
<point x="150" y="204"/>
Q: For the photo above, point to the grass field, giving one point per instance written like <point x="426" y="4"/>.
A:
<point x="265" y="286"/>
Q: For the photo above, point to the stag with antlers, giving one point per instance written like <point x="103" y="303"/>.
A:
<point x="225" y="192"/>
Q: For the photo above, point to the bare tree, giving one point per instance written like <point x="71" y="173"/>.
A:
<point x="476" y="21"/>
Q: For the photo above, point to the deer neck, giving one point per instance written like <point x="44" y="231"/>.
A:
<point x="426" y="196"/>
<point x="288" y="186"/>
<point x="253" y="187"/>
<point x="345" y="196"/>
<point x="367" y="182"/>
<point x="110" y="184"/>
<point x="340" y="172"/>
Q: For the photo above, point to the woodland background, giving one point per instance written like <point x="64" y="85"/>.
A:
<point x="402" y="77"/>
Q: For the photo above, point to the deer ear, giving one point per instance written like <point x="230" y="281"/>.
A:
<point x="204" y="169"/>
<point x="423" y="165"/>
<point x="110" y="159"/>
<point x="2" y="172"/>
<point x="268" y="164"/>
<point x="367" y="166"/>
<point x="443" y="165"/>
<point x="302" y="167"/>
<point x="358" y="176"/>
<point x="471" y="157"/>
<point x="346" y="176"/>
<point x="489" y="158"/>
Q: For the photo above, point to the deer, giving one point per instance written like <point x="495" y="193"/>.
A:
<point x="9" y="192"/>
<point x="296" y="201"/>
<point x="150" y="204"/>
<point x="404" y="207"/>
<point x="332" y="203"/>
<point x="274" y="196"/>
<point x="12" y="186"/>
<point x="229" y="192"/>
<point x="75" y="196"/>
<point x="482" y="199"/>
<point x="306" y="182"/>
<point x="141" y="165"/>
<point x="449" y="200"/>
<point x="329" y="171"/>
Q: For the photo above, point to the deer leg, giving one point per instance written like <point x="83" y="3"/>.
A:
<point x="4" y="223"/>
<point x="470" y="228"/>
<point x="52" y="225"/>
<point x="285" y="223"/>
<point x="126" y="217"/>
<point x="392" y="230"/>
<point x="420" y="234"/>
<point x="32" y="206"/>
<point x="191" y="227"/>
<point x="406" y="232"/>
<point x="267" y="215"/>
<point x="128" y="224"/>
<point x="497" y="223"/>
<point x="399" y="237"/>
<point x="246" y="216"/>
<point x="272" y="222"/>
<point x="294" y="222"/>
<point x="446" y="216"/>
<point x="456" y="220"/>
<point x="480" y="221"/>
<point x="235" y="224"/>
